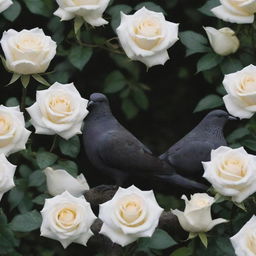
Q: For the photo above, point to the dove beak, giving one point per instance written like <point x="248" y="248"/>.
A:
<point x="89" y="105"/>
<point x="232" y="118"/>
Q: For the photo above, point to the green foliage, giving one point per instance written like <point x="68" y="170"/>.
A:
<point x="45" y="159"/>
<point x="13" y="12"/>
<point x="70" y="147"/>
<point x="209" y="102"/>
<point x="114" y="82"/>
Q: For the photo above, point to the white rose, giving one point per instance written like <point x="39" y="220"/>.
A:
<point x="241" y="88"/>
<point x="244" y="242"/>
<point x="232" y="172"/>
<point x="130" y="214"/>
<point x="13" y="134"/>
<point x="28" y="51"/>
<point x="7" y="171"/>
<point x="5" y="4"/>
<point x="146" y="35"/>
<point x="196" y="217"/>
<point x="67" y="219"/>
<point x="58" y="110"/>
<point x="223" y="41"/>
<point x="59" y="181"/>
<point x="236" y="11"/>
<point x="90" y="10"/>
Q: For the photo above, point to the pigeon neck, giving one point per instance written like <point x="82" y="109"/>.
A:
<point x="101" y="112"/>
<point x="212" y="128"/>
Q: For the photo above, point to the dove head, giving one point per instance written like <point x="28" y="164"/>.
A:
<point x="217" y="118"/>
<point x="98" y="103"/>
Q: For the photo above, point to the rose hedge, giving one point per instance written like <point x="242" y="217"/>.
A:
<point x="123" y="49"/>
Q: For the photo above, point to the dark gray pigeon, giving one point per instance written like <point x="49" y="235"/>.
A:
<point x="116" y="152"/>
<point x="188" y="153"/>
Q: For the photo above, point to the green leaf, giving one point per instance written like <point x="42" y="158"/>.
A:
<point x="129" y="108"/>
<point x="249" y="143"/>
<point x="40" y="79"/>
<point x="151" y="6"/>
<point x="195" y="42"/>
<point x="209" y="102"/>
<point x="26" y="222"/>
<point x="241" y="206"/>
<point x="24" y="171"/>
<point x="203" y="239"/>
<point x="114" y="82"/>
<point x="140" y="99"/>
<point x="36" y="179"/>
<point x="115" y="13"/>
<point x="40" y="199"/>
<point x="25" y="80"/>
<point x="208" y="61"/>
<point x="13" y="11"/>
<point x="12" y="102"/>
<point x="26" y="204"/>
<point x="238" y="134"/>
<point x="70" y="147"/>
<point x="40" y="7"/>
<point x="206" y="8"/>
<point x="15" y="196"/>
<point x="70" y="166"/>
<point x="14" y="78"/>
<point x="161" y="240"/>
<point x="79" y="56"/>
<point x="184" y="251"/>
<point x="230" y="65"/>
<point x="45" y="159"/>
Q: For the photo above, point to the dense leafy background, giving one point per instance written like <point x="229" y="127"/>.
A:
<point x="157" y="105"/>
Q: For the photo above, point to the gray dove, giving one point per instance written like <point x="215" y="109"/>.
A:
<point x="188" y="153"/>
<point x="116" y="152"/>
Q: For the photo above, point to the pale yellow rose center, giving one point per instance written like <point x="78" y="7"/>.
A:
<point x="200" y="203"/>
<point x="5" y="125"/>
<point x="60" y="104"/>
<point x="148" y="33"/>
<point x="247" y="85"/>
<point x="246" y="9"/>
<point x="233" y="169"/>
<point x="85" y="2"/>
<point x="66" y="217"/>
<point x="251" y="243"/>
<point x="30" y="42"/>
<point x="130" y="210"/>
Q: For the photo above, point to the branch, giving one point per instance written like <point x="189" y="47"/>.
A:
<point x="103" y="193"/>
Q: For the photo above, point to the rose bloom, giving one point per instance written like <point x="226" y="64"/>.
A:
<point x="236" y="11"/>
<point x="196" y="217"/>
<point x="223" y="41"/>
<point x="58" y="110"/>
<point x="244" y="242"/>
<point x="7" y="171"/>
<point x="241" y="88"/>
<point x="90" y="10"/>
<point x="130" y="214"/>
<point x="13" y="134"/>
<point x="5" y="4"/>
<point x="67" y="219"/>
<point x="232" y="172"/>
<point x="75" y="186"/>
<point x="146" y="35"/>
<point x="28" y="51"/>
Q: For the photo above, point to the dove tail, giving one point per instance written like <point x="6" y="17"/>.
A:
<point x="180" y="181"/>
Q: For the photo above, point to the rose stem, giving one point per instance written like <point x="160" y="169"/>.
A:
<point x="54" y="143"/>
<point x="23" y="99"/>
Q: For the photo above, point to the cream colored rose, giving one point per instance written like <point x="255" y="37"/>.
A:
<point x="236" y="11"/>
<point x="58" y="110"/>
<point x="130" y="214"/>
<point x="13" y="134"/>
<point x="223" y="41"/>
<point x="196" y="217"/>
<point x="146" y="35"/>
<point x="59" y="181"/>
<point x="7" y="171"/>
<point x="232" y="172"/>
<point x="90" y="10"/>
<point x="241" y="88"/>
<point x="244" y="242"/>
<point x="67" y="219"/>
<point x="5" y="4"/>
<point x="28" y="51"/>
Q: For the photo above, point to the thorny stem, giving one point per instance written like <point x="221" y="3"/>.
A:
<point x="23" y="99"/>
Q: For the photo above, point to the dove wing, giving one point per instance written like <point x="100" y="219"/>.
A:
<point x="123" y="151"/>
